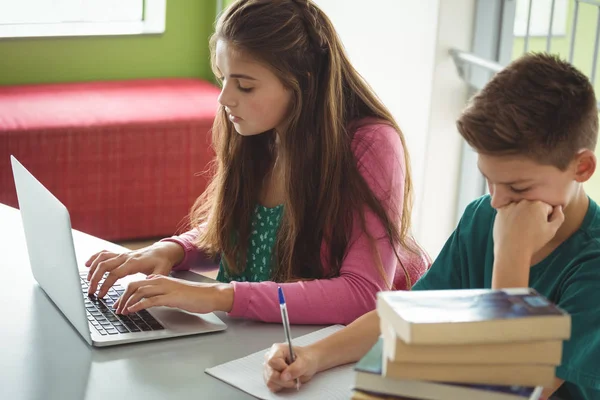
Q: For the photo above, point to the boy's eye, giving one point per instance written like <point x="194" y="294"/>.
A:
<point x="245" y="90"/>
<point x="515" y="190"/>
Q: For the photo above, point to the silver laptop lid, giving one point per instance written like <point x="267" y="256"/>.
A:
<point x="47" y="227"/>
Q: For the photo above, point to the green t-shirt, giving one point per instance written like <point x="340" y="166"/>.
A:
<point x="265" y="224"/>
<point x="569" y="277"/>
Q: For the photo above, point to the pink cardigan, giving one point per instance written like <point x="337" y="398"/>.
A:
<point x="378" y="150"/>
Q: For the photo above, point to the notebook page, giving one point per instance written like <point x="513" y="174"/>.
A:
<point x="246" y="374"/>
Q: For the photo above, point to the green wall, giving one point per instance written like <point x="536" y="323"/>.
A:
<point x="582" y="57"/>
<point x="182" y="51"/>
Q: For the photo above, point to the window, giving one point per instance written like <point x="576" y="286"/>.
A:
<point x="540" y="17"/>
<point x="497" y="42"/>
<point x="30" y="18"/>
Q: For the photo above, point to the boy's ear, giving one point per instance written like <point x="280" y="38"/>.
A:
<point x="585" y="165"/>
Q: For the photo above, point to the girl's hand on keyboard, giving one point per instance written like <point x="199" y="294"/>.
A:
<point x="159" y="290"/>
<point x="157" y="259"/>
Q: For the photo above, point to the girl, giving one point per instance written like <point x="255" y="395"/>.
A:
<point x="311" y="190"/>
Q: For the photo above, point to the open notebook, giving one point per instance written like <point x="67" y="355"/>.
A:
<point x="247" y="374"/>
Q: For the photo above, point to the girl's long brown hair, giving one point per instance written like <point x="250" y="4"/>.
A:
<point x="324" y="190"/>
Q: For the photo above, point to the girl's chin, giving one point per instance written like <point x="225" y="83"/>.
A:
<point x="244" y="131"/>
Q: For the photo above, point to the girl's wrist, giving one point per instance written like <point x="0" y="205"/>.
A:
<point x="172" y="251"/>
<point x="225" y="295"/>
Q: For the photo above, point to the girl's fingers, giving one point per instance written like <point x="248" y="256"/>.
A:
<point x="129" y="291"/>
<point x="156" y="301"/>
<point x="144" y="292"/>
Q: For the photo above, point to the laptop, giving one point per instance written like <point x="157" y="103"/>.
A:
<point x="54" y="265"/>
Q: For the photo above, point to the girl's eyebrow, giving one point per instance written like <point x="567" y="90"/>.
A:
<point x="242" y="76"/>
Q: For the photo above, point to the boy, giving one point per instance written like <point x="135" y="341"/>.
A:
<point x="534" y="127"/>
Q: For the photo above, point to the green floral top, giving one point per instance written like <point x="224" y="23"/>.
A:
<point x="265" y="224"/>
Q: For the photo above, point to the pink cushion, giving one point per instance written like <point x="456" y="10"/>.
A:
<point x="126" y="158"/>
<point x="105" y="103"/>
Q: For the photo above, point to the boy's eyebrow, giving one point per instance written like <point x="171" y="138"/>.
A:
<point x="505" y="183"/>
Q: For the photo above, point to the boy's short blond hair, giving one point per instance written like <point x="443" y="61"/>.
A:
<point x="538" y="106"/>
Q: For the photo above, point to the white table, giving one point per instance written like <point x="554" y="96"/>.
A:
<point x="43" y="357"/>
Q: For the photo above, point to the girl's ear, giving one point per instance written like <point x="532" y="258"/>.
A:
<point x="585" y="165"/>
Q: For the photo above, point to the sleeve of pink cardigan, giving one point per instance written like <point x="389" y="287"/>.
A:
<point x="380" y="157"/>
<point x="186" y="240"/>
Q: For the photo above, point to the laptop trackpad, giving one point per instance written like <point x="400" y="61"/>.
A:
<point x="181" y="321"/>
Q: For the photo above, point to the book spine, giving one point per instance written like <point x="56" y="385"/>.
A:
<point x="508" y="375"/>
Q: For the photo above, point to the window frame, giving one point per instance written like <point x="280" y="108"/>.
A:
<point x="152" y="23"/>
<point x="492" y="44"/>
<point x="532" y="18"/>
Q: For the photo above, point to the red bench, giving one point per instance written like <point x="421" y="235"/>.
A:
<point x="125" y="157"/>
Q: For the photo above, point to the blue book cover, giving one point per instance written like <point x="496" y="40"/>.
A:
<point x="473" y="316"/>
<point x="473" y="305"/>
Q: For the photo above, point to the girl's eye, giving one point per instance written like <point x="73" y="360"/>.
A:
<point x="221" y="80"/>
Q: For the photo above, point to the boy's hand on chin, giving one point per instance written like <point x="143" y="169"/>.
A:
<point x="526" y="227"/>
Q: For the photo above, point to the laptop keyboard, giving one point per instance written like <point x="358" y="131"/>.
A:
<point x="102" y="316"/>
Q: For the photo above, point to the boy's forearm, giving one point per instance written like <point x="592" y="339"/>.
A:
<point x="349" y="344"/>
<point x="511" y="269"/>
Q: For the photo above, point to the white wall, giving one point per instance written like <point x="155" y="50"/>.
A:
<point x="401" y="48"/>
<point x="392" y="44"/>
<point x="437" y="218"/>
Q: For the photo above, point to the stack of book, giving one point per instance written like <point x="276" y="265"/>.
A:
<point x="463" y="344"/>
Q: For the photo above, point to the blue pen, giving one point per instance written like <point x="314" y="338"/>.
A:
<point x="286" y="328"/>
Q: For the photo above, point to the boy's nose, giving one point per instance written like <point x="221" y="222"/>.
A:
<point x="500" y="198"/>
<point x="496" y="203"/>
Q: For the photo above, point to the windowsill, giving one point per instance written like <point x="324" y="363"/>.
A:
<point x="539" y="35"/>
<point x="79" y="29"/>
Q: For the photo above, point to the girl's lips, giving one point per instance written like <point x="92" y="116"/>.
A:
<point x="234" y="118"/>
